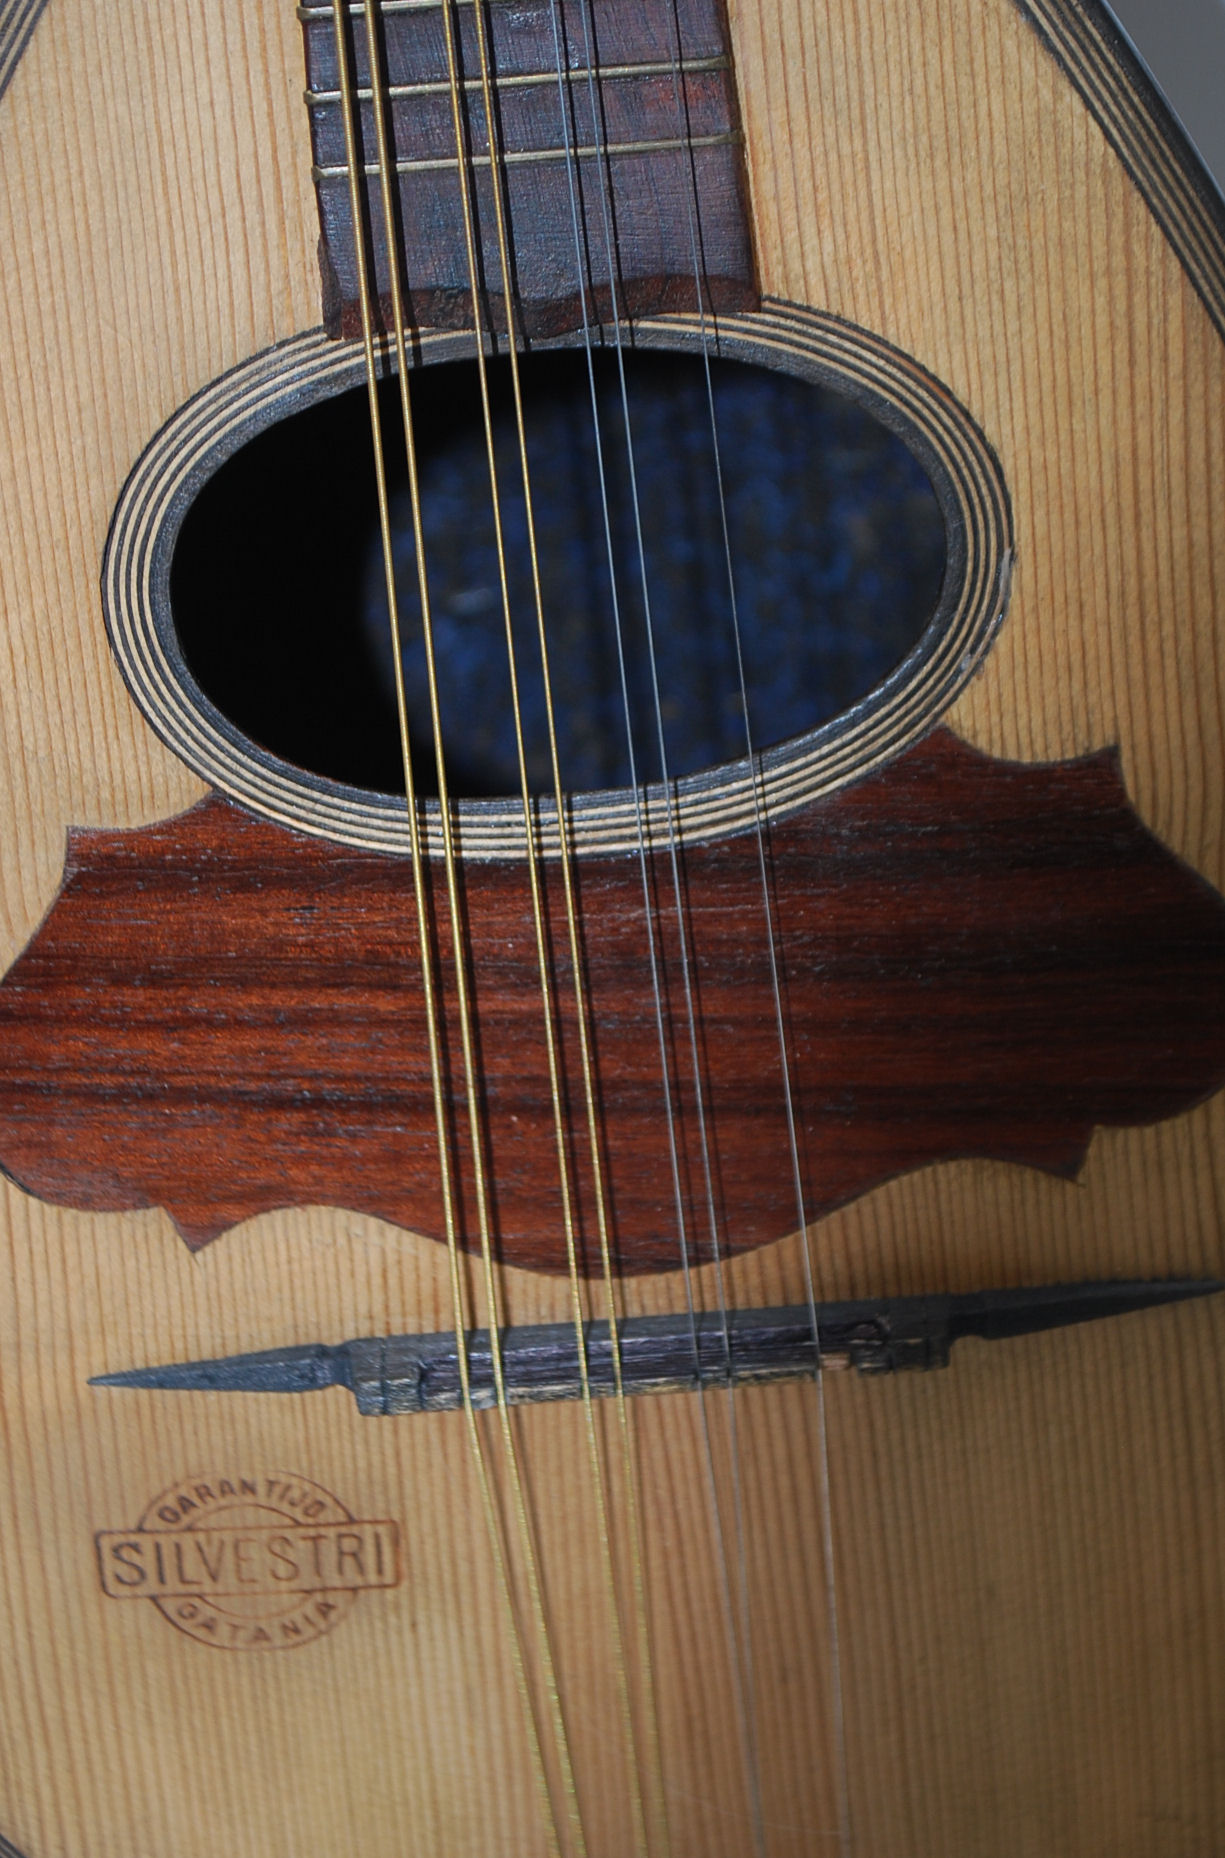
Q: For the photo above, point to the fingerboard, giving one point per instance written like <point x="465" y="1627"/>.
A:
<point x="623" y="178"/>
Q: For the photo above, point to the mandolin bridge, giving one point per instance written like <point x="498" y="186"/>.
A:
<point x="683" y="1352"/>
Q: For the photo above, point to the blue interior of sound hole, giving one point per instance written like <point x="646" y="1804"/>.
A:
<point x="835" y="537"/>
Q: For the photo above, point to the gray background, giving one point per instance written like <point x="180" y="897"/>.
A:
<point x="1183" y="44"/>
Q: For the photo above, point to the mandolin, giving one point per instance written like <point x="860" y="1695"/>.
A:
<point x="613" y="933"/>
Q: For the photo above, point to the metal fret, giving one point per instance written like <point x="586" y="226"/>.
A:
<point x="518" y="157"/>
<point x="357" y="10"/>
<point x="581" y="75"/>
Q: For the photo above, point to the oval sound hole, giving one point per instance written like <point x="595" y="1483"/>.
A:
<point x="832" y="530"/>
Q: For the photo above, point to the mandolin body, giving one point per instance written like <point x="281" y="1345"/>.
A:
<point x="1027" y="1547"/>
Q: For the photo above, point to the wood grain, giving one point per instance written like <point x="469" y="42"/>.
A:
<point x="220" y="1018"/>
<point x="1032" y="1599"/>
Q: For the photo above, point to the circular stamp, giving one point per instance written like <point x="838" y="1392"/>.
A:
<point x="245" y="1561"/>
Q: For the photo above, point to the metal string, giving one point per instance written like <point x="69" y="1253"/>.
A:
<point x="755" y="780"/>
<point x="531" y="849"/>
<point x="739" y="1680"/>
<point x="492" y="1302"/>
<point x="459" y="1305"/>
<point x="572" y="929"/>
<point x="627" y="1429"/>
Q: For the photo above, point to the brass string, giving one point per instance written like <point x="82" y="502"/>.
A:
<point x="536" y="890"/>
<point x="459" y="1305"/>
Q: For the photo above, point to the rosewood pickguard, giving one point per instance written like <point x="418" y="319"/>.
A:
<point x="220" y="1017"/>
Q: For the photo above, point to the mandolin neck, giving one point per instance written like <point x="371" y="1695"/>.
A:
<point x="616" y="138"/>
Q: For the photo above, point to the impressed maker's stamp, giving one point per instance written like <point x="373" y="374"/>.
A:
<point x="252" y="1562"/>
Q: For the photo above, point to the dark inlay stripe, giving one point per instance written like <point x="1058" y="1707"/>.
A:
<point x="1144" y="133"/>
<point x="17" y="21"/>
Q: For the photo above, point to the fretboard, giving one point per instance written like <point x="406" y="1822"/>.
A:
<point x="623" y="179"/>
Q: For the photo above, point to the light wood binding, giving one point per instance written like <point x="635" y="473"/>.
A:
<point x="1029" y="1547"/>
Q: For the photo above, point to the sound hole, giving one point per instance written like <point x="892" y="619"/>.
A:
<point x="833" y="533"/>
